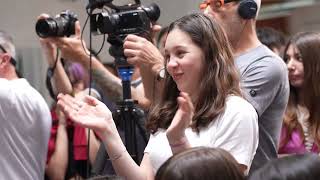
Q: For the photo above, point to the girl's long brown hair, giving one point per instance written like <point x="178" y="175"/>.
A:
<point x="220" y="77"/>
<point x="308" y="44"/>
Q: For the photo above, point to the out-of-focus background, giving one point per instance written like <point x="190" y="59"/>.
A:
<point x="18" y="17"/>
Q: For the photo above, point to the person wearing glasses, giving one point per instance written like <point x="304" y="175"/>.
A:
<point x="24" y="118"/>
<point x="264" y="76"/>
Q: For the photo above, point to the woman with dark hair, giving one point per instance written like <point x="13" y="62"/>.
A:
<point x="201" y="104"/>
<point x="200" y="163"/>
<point x="293" y="167"/>
<point x="301" y="128"/>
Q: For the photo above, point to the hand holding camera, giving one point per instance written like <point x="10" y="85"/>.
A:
<point x="56" y="32"/>
<point x="141" y="52"/>
<point x="62" y="25"/>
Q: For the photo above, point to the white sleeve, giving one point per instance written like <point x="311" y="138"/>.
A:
<point x="237" y="132"/>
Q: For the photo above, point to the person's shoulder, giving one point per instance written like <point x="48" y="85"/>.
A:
<point x="238" y="104"/>
<point x="268" y="64"/>
<point x="239" y="111"/>
<point x="274" y="69"/>
<point x="260" y="58"/>
<point x="8" y="87"/>
<point x="269" y="59"/>
<point x="4" y="83"/>
<point x="4" y="89"/>
<point x="30" y="91"/>
<point x="239" y="108"/>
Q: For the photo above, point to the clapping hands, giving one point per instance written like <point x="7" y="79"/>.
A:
<point x="89" y="113"/>
<point x="181" y="120"/>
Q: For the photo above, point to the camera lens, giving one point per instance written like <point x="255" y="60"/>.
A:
<point x="46" y="27"/>
<point x="153" y="11"/>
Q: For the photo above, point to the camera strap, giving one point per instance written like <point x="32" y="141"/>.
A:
<point x="50" y="72"/>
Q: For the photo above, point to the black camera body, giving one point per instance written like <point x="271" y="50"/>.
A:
<point x="62" y="25"/>
<point x="130" y="20"/>
<point x="122" y="21"/>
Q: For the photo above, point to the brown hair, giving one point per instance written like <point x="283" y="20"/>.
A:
<point x="308" y="44"/>
<point x="200" y="163"/>
<point x="294" y="167"/>
<point x="220" y="77"/>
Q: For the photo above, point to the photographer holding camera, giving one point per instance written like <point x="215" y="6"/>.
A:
<point x="67" y="155"/>
<point x="72" y="49"/>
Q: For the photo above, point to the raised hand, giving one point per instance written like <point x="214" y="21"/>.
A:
<point x="181" y="120"/>
<point x="48" y="47"/>
<point x="89" y="113"/>
<point x="72" y="48"/>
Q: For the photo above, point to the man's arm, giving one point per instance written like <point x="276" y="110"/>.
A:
<point x="57" y="165"/>
<point x="112" y="85"/>
<point x="61" y="82"/>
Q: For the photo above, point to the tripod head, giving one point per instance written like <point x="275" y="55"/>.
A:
<point x="125" y="70"/>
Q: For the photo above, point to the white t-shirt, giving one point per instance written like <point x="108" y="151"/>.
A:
<point x="236" y="131"/>
<point x="25" y="123"/>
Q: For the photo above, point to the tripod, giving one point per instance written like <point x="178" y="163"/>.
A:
<point x="129" y="119"/>
<point x="127" y="114"/>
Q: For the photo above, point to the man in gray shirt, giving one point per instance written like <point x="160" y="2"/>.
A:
<point x="264" y="78"/>
<point x="25" y="121"/>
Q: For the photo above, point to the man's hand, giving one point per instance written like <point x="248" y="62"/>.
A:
<point x="71" y="47"/>
<point x="141" y="52"/>
<point x="48" y="47"/>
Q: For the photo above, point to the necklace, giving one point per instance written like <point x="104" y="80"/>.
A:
<point x="303" y="116"/>
<point x="308" y="139"/>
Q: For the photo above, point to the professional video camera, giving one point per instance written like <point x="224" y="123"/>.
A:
<point x="127" y="19"/>
<point x="121" y="21"/>
<point x="62" y="25"/>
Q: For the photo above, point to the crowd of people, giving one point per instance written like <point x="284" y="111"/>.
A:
<point x="216" y="99"/>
